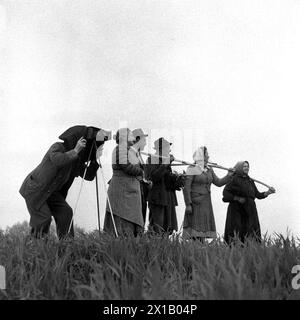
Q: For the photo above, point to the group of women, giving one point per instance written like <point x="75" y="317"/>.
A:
<point x="240" y="192"/>
<point x="135" y="183"/>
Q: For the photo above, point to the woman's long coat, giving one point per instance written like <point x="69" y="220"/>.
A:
<point x="124" y="190"/>
<point x="242" y="219"/>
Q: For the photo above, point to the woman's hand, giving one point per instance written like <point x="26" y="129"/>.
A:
<point x="270" y="191"/>
<point x="188" y="209"/>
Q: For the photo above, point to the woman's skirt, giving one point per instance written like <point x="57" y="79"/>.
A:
<point x="201" y="222"/>
<point x="162" y="219"/>
<point x="242" y="222"/>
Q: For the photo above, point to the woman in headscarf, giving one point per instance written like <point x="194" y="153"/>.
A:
<point x="45" y="188"/>
<point x="199" y="222"/>
<point x="242" y="219"/>
<point x="124" y="193"/>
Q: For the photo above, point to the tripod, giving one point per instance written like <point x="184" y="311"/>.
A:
<point x="97" y="194"/>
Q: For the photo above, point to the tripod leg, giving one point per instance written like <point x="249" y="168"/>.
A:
<point x="77" y="200"/>
<point x="97" y="197"/>
<point x="81" y="185"/>
<point x="108" y="200"/>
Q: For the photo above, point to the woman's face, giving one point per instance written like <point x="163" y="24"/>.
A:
<point x="246" y="168"/>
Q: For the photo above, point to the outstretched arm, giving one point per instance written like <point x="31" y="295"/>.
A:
<point x="260" y="195"/>
<point x="219" y="182"/>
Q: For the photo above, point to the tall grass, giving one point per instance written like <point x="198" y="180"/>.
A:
<point x="93" y="267"/>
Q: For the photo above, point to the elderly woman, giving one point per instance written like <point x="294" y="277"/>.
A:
<point x="242" y="219"/>
<point x="199" y="222"/>
<point x="124" y="191"/>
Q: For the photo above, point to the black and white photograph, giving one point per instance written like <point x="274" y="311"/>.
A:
<point x="149" y="152"/>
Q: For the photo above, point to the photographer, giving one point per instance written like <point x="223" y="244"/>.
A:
<point x="45" y="188"/>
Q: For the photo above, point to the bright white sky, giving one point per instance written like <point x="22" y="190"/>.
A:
<point x="224" y="74"/>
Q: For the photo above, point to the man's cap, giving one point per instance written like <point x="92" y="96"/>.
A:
<point x="161" y="142"/>
<point x="139" y="133"/>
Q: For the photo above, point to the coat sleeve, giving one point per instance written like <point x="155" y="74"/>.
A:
<point x="228" y="192"/>
<point x="125" y="165"/>
<point x="90" y="172"/>
<point x="258" y="195"/>
<point x="60" y="158"/>
<point x="187" y="189"/>
<point x="219" y="182"/>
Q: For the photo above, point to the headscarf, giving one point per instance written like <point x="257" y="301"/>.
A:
<point x="239" y="168"/>
<point x="198" y="157"/>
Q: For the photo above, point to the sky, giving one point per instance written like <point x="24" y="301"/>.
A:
<point x="224" y="74"/>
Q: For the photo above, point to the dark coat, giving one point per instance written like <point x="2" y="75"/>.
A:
<point x="164" y="183"/>
<point x="162" y="197"/>
<point x="60" y="165"/>
<point x="242" y="219"/>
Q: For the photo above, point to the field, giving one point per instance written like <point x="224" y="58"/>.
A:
<point x="93" y="267"/>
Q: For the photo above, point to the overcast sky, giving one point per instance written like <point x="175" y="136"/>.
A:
<point x="224" y="74"/>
